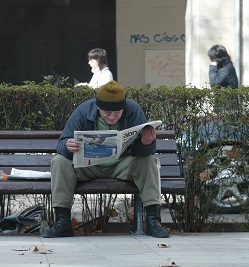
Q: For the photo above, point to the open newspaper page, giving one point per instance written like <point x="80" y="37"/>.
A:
<point x="100" y="146"/>
<point x="96" y="147"/>
<point x="128" y="135"/>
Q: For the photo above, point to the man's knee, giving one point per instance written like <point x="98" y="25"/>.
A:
<point x="148" y="161"/>
<point x="60" y="161"/>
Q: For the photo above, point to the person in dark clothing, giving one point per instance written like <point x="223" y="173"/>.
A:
<point x="110" y="110"/>
<point x="221" y="70"/>
<point x="60" y="80"/>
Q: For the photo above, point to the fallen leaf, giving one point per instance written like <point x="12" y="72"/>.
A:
<point x="206" y="174"/>
<point x="42" y="250"/>
<point x="80" y="231"/>
<point x="74" y="223"/>
<point x="169" y="264"/>
<point x="233" y="154"/>
<point x="25" y="228"/>
<point x="163" y="245"/>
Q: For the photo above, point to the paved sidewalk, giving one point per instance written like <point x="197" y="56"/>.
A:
<point x="186" y="250"/>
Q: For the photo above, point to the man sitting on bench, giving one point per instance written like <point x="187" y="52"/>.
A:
<point x="111" y="110"/>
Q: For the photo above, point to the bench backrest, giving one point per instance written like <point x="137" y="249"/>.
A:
<point x="34" y="150"/>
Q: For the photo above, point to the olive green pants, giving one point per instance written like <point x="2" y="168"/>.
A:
<point x="144" y="171"/>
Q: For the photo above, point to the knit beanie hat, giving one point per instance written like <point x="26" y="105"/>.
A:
<point x="111" y="96"/>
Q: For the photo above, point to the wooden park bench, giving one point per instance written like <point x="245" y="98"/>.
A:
<point x="33" y="150"/>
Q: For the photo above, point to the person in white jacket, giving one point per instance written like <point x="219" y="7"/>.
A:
<point x="97" y="59"/>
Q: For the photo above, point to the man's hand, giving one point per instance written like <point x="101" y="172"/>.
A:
<point x="72" y="146"/>
<point x="148" y="135"/>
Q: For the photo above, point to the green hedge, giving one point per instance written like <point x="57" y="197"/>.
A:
<point x="206" y="121"/>
<point x="45" y="107"/>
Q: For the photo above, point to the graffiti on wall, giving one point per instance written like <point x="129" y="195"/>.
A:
<point x="156" y="38"/>
<point x="164" y="67"/>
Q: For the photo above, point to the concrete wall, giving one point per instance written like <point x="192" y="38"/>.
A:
<point x="150" y="42"/>
<point x="245" y="43"/>
<point x="209" y="23"/>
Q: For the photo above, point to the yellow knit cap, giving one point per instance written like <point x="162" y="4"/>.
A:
<point x="111" y="96"/>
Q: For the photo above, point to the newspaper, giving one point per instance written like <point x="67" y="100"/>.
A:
<point x="28" y="174"/>
<point x="100" y="146"/>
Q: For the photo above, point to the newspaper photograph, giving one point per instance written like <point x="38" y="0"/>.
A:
<point x="100" y="146"/>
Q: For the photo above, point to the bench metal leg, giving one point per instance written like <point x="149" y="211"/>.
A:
<point x="138" y="216"/>
<point x="2" y="204"/>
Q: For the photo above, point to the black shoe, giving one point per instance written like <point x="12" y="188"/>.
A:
<point x="153" y="222"/>
<point x="62" y="226"/>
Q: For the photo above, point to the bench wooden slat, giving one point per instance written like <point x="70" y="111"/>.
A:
<point x="25" y="160"/>
<point x="173" y="187"/>
<point x="28" y="145"/>
<point x="30" y="134"/>
<point x="166" y="146"/>
<point x="25" y="187"/>
<point x="168" y="134"/>
<point x="165" y="134"/>
<point x="45" y="160"/>
<point x="49" y="146"/>
<point x="166" y="171"/>
<point x="108" y="186"/>
<point x="168" y="159"/>
<point x="170" y="171"/>
<point x="90" y="187"/>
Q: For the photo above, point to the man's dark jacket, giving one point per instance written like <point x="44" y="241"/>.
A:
<point x="84" y="118"/>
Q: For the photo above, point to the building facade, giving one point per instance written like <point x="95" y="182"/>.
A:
<point x="149" y="42"/>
